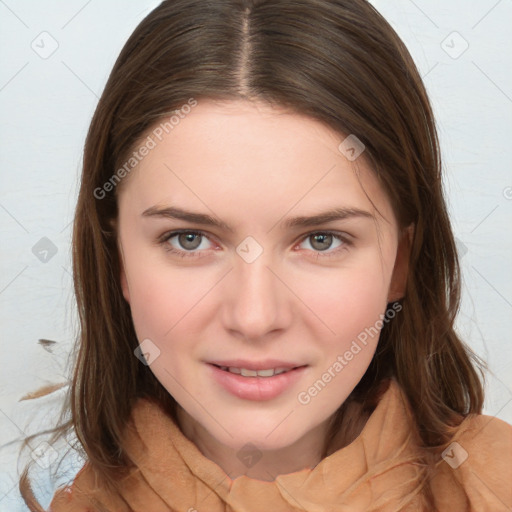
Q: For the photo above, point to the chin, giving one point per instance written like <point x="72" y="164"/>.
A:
<point x="266" y="436"/>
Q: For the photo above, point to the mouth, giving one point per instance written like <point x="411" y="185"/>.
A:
<point x="264" y="381"/>
<point x="264" y="373"/>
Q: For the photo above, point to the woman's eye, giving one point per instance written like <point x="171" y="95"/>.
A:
<point x="184" y="243"/>
<point x="192" y="243"/>
<point x="322" y="242"/>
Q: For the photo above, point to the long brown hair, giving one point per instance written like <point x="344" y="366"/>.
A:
<point x="337" y="61"/>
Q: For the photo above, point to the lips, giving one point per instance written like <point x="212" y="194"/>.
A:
<point x="261" y="382"/>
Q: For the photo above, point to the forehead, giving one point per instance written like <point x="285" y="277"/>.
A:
<point x="244" y="156"/>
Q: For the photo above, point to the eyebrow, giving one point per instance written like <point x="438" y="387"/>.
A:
<point x="334" y="214"/>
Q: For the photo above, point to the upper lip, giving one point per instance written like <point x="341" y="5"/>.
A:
<point x="255" y="365"/>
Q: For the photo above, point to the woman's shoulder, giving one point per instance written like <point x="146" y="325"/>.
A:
<point x="476" y="467"/>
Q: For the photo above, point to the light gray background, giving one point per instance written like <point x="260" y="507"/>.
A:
<point x="463" y="50"/>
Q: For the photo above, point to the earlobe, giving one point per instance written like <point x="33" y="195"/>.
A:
<point x="401" y="268"/>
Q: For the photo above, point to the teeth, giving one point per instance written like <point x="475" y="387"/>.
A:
<point x="249" y="373"/>
<point x="264" y="373"/>
<point x="255" y="373"/>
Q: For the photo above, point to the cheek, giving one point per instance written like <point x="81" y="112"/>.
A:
<point x="348" y="299"/>
<point x="163" y="306"/>
<point x="158" y="294"/>
<point x="159" y="300"/>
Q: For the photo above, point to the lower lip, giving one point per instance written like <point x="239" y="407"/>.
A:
<point x="256" y="388"/>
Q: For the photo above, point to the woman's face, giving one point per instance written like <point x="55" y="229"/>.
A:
<point x="254" y="282"/>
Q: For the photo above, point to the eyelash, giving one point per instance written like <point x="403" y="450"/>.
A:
<point x="190" y="254"/>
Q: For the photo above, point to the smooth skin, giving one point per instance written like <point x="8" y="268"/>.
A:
<point x="304" y="299"/>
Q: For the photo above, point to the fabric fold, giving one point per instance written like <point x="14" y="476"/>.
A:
<point x="383" y="469"/>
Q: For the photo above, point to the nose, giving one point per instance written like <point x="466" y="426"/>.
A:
<point x="256" y="302"/>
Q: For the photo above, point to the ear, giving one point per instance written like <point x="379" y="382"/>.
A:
<point x="401" y="268"/>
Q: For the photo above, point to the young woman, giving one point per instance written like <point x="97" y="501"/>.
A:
<point x="267" y="279"/>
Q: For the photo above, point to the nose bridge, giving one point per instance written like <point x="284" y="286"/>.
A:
<point x="256" y="301"/>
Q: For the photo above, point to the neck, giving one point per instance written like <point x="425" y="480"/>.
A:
<point x="257" y="464"/>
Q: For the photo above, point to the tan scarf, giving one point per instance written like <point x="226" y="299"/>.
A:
<point x="382" y="469"/>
